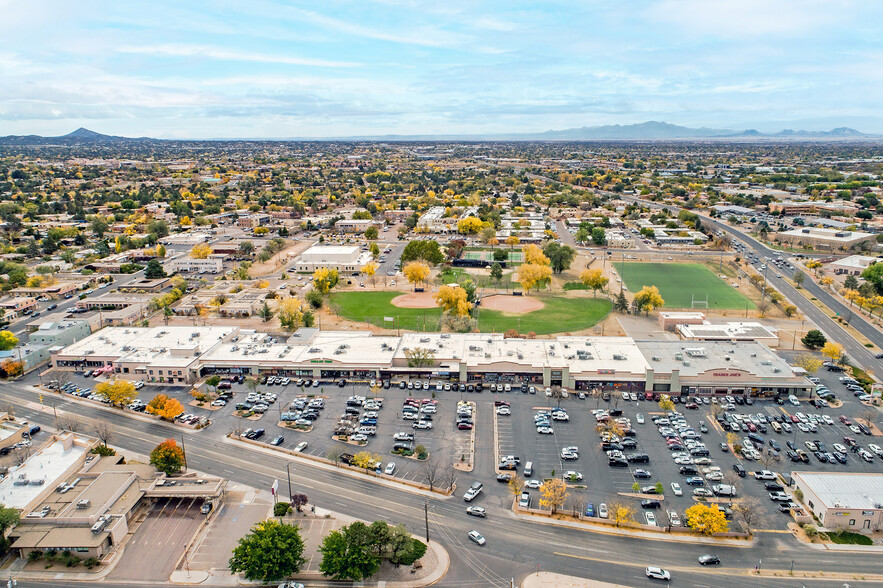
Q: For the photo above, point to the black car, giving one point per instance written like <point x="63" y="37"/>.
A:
<point x="650" y="504"/>
<point x="504" y="477"/>
<point x="737" y="467"/>
<point x="617" y="463"/>
<point x="709" y="560"/>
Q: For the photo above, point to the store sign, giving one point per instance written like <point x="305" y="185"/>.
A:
<point x="727" y="374"/>
<point x="320" y="361"/>
<point x="607" y="371"/>
<point x="867" y="513"/>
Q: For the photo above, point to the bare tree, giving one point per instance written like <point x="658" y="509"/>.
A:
<point x="333" y="455"/>
<point x="557" y="394"/>
<point x="431" y="473"/>
<point x="104" y="432"/>
<point x="451" y="477"/>
<point x="750" y="511"/>
<point x="21" y="454"/>
<point x="868" y="416"/>
<point x="769" y="456"/>
<point x="69" y="423"/>
<point x="577" y="504"/>
<point x="731" y="478"/>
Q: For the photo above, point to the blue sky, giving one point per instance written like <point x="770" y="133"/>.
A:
<point x="334" y="68"/>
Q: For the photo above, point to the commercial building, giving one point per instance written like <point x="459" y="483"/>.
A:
<point x="344" y="258"/>
<point x="213" y="264"/>
<point x="842" y="500"/>
<point x="253" y="220"/>
<point x="61" y="333"/>
<point x="617" y="239"/>
<point x="435" y="221"/>
<point x="582" y="363"/>
<point x="15" y="307"/>
<point x="353" y="225"/>
<point x="668" y="320"/>
<point x="829" y="239"/>
<point x="732" y="332"/>
<point x="853" y="265"/>
<point x="72" y="500"/>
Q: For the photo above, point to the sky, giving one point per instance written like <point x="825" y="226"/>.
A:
<point x="264" y="69"/>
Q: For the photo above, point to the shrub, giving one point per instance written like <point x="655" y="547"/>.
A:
<point x="34" y="556"/>
<point x="90" y="562"/>
<point x="810" y="531"/>
<point x="103" y="450"/>
<point x="280" y="509"/>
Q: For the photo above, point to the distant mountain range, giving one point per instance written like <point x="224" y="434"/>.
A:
<point x="646" y="131"/>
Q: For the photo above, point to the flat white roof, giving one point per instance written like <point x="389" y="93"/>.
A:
<point x="829" y="234"/>
<point x="49" y="465"/>
<point x="845" y="490"/>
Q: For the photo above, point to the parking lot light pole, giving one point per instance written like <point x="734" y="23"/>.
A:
<point x="288" y="470"/>
<point x="426" y="517"/>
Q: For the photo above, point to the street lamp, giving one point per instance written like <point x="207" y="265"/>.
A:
<point x="288" y="470"/>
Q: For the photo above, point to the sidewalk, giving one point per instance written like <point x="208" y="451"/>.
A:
<point x="553" y="580"/>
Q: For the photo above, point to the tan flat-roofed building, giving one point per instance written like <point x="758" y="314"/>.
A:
<point x="842" y="500"/>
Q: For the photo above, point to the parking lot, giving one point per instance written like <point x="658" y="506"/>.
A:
<point x="518" y="436"/>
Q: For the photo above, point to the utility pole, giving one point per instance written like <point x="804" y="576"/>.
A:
<point x="426" y="517"/>
<point x="288" y="470"/>
<point x="184" y="453"/>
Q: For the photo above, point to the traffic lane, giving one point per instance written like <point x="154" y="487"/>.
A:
<point x="360" y="498"/>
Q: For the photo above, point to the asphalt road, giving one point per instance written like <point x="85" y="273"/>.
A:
<point x="515" y="546"/>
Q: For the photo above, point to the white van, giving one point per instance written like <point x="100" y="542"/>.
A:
<point x="528" y="469"/>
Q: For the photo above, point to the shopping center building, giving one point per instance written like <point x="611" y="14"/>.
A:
<point x="184" y="355"/>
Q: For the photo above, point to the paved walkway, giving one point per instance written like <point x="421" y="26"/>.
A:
<point x="552" y="580"/>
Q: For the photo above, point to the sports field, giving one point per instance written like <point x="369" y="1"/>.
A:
<point x="514" y="256"/>
<point x="681" y="283"/>
<point x="559" y="314"/>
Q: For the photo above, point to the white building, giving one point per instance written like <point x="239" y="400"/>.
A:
<point x="829" y="239"/>
<point x="853" y="265"/>
<point x="213" y="264"/>
<point x="843" y="500"/>
<point x="343" y="258"/>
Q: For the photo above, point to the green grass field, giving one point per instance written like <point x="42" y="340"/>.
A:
<point x="678" y="283"/>
<point x="514" y="256"/>
<point x="559" y="315"/>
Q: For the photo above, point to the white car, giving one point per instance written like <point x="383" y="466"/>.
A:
<point x="533" y="484"/>
<point x="657" y="573"/>
<point x="476" y="537"/>
<point x="301" y="446"/>
<point x="640" y="418"/>
<point x="602" y="510"/>
<point x="572" y="476"/>
<point x="650" y="518"/>
<point x="676" y="488"/>
<point x="359" y="438"/>
<point x="702" y="492"/>
<point x="545" y="430"/>
<point x="504" y="411"/>
<point x="876" y="449"/>
<point x="219" y="402"/>
<point x="390" y="468"/>
<point x="423" y="425"/>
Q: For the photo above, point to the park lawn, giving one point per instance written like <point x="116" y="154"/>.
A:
<point x="850" y="538"/>
<point x="372" y="307"/>
<point x="678" y="283"/>
<point x="558" y="316"/>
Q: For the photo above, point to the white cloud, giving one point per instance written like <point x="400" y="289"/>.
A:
<point x="176" y="50"/>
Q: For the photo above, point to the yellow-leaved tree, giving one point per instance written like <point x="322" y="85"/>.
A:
<point x="809" y="363"/>
<point x="291" y="313"/>
<point x="117" y="391"/>
<point x="416" y="272"/>
<point x="707" y="520"/>
<point x="453" y="299"/>
<point x="324" y="279"/>
<point x="370" y="270"/>
<point x="200" y="251"/>
<point x="833" y="351"/>
<point x="533" y="254"/>
<point x="470" y="224"/>
<point x="648" y="299"/>
<point x="512" y="241"/>
<point x="165" y="407"/>
<point x="594" y="279"/>
<point x="532" y="275"/>
<point x="554" y="494"/>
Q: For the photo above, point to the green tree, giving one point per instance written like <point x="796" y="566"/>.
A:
<point x="427" y="250"/>
<point x="246" y="248"/>
<point x="850" y="283"/>
<point x="213" y="382"/>
<point x="374" y="248"/>
<point x="7" y="340"/>
<point x="347" y="554"/>
<point x="158" y="228"/>
<point x="167" y="457"/>
<point x="874" y="274"/>
<point x="500" y="255"/>
<point x="799" y="276"/>
<point x="560" y="256"/>
<point x="9" y="517"/>
<point x="814" y="339"/>
<point x="154" y="270"/>
<point x="599" y="237"/>
<point x="272" y="551"/>
<point x="99" y="226"/>
<point x="265" y="312"/>
<point x="497" y="272"/>
<point x="621" y="304"/>
<point x="371" y="233"/>
<point x="582" y="235"/>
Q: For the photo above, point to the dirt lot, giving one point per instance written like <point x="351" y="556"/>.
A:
<point x="512" y="304"/>
<point x="415" y="300"/>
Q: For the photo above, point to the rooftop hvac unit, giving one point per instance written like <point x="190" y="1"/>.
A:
<point x="84" y="503"/>
<point x="618" y="357"/>
<point x="686" y="364"/>
<point x="424" y="339"/>
<point x="445" y="335"/>
<point x="655" y="358"/>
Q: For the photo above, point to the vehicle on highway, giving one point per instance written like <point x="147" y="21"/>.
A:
<point x="709" y="560"/>
<point x="657" y="573"/>
<point x="476" y="511"/>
